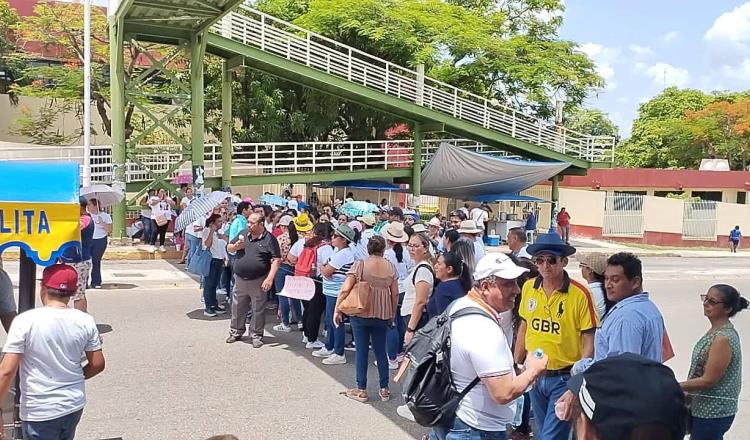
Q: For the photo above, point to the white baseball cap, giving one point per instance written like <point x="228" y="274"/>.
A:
<point x="285" y="220"/>
<point x="499" y="265"/>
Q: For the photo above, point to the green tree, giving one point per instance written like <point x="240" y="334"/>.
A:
<point x="11" y="65"/>
<point x="658" y="137"/>
<point x="590" y="121"/>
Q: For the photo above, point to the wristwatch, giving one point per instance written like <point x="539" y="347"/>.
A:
<point x="410" y="330"/>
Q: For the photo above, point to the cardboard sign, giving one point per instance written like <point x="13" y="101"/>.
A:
<point x="298" y="288"/>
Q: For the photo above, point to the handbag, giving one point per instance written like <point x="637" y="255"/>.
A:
<point x="161" y="220"/>
<point x="200" y="262"/>
<point x="358" y="300"/>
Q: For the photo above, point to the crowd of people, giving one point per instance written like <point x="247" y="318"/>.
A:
<point x="414" y="271"/>
<point x="583" y="357"/>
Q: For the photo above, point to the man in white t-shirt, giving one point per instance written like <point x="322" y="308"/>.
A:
<point x="48" y="343"/>
<point x="480" y="216"/>
<point x="479" y="348"/>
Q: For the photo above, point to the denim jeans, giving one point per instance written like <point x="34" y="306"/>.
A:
<point x="148" y="230"/>
<point x="210" y="283"/>
<point x="336" y="335"/>
<point x="544" y="395"/>
<point x="369" y="331"/>
<point x="61" y="428"/>
<point x="98" y="247"/>
<point x="395" y="341"/>
<point x="710" y="429"/>
<point x="284" y="302"/>
<point x="462" y="431"/>
<point x="194" y="243"/>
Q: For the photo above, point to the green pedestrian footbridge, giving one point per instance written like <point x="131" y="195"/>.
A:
<point x="245" y="37"/>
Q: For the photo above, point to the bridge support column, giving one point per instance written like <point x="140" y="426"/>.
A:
<point x="226" y="126"/>
<point x="117" y="90"/>
<point x="197" y="52"/>
<point x="555" y="203"/>
<point x="416" y="177"/>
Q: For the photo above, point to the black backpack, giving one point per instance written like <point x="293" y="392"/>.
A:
<point x="428" y="386"/>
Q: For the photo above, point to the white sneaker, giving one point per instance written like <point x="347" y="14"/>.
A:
<point x="322" y="353"/>
<point x="162" y="249"/>
<point x="152" y="249"/>
<point x="282" y="328"/>
<point x="315" y="345"/>
<point x="304" y="339"/>
<point x="392" y="365"/>
<point x="299" y="326"/>
<point x="221" y="291"/>
<point x="335" y="359"/>
<point x="404" y="412"/>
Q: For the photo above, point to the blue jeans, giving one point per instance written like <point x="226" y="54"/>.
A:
<point x="544" y="395"/>
<point x="395" y="341"/>
<point x="148" y="230"/>
<point x="98" y="247"/>
<point x="369" y="331"/>
<point x="210" y="283"/>
<point x="462" y="431"/>
<point x="61" y="428"/>
<point x="194" y="243"/>
<point x="336" y="335"/>
<point x="710" y="429"/>
<point x="278" y="283"/>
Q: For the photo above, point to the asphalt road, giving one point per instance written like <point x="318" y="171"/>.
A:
<point x="171" y="376"/>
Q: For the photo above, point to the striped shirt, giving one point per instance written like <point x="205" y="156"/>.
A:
<point x="341" y="260"/>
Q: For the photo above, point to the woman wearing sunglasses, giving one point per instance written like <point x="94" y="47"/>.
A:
<point x="715" y="376"/>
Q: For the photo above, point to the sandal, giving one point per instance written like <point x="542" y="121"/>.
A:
<point x="356" y="394"/>
<point x="385" y="394"/>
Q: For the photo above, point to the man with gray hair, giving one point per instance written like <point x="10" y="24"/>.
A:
<point x="480" y="349"/>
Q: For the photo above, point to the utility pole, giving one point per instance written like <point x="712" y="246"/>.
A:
<point x="86" y="92"/>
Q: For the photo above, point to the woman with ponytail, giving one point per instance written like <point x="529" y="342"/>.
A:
<point x="715" y="377"/>
<point x="455" y="282"/>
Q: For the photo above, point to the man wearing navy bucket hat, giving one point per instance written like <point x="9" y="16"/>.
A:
<point x="559" y="317"/>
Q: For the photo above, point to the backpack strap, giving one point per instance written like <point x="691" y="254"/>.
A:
<point x="466" y="312"/>
<point x="416" y="269"/>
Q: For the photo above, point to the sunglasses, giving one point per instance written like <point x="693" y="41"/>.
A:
<point x="549" y="260"/>
<point x="710" y="301"/>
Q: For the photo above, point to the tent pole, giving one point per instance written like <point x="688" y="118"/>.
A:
<point x="26" y="301"/>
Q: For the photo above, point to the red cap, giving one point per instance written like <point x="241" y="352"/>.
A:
<point x="60" y="277"/>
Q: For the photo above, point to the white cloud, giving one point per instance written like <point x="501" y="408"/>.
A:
<point x="623" y="100"/>
<point x="731" y="26"/>
<point x="739" y="73"/>
<point x="604" y="58"/>
<point x="643" y="51"/>
<point x="666" y="75"/>
<point x="669" y="36"/>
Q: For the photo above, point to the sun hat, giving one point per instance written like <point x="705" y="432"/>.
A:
<point x="550" y="243"/>
<point x="621" y="392"/>
<point x="285" y="220"/>
<point x="354" y="224"/>
<point x="596" y="261"/>
<point x="302" y="223"/>
<point x="499" y="265"/>
<point x="418" y="227"/>
<point x="468" y="227"/>
<point x="346" y="232"/>
<point x="60" y="277"/>
<point x="434" y="221"/>
<point x="368" y="219"/>
<point x="394" y="231"/>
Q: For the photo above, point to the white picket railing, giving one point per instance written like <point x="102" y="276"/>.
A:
<point x="699" y="220"/>
<point x="623" y="215"/>
<point x="292" y="42"/>
<point x="250" y="158"/>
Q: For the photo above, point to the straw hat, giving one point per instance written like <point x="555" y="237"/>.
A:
<point x="368" y="219"/>
<point x="394" y="231"/>
<point x="302" y="223"/>
<point x="434" y="221"/>
<point x="469" y="227"/>
<point x="285" y="220"/>
<point x="418" y="227"/>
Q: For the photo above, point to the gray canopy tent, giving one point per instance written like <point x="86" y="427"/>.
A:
<point x="459" y="173"/>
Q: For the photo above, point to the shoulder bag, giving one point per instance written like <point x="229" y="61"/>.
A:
<point x="358" y="300"/>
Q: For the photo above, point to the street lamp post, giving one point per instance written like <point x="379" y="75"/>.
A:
<point x="86" y="92"/>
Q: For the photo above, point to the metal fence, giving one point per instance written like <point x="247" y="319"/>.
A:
<point x="699" y="220"/>
<point x="623" y="215"/>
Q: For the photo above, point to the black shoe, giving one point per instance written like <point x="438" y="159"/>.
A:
<point x="220" y="309"/>
<point x="233" y="338"/>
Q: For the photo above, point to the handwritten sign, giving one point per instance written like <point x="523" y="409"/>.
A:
<point x="298" y="288"/>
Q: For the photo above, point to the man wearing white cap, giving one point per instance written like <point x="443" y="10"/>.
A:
<point x="480" y="349"/>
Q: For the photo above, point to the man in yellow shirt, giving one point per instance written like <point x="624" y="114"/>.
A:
<point x="559" y="317"/>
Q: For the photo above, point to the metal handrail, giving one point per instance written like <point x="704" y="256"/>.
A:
<point x="282" y="38"/>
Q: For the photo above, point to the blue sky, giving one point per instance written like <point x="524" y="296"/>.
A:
<point x="640" y="46"/>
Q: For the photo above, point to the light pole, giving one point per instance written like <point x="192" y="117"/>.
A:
<point x="86" y="92"/>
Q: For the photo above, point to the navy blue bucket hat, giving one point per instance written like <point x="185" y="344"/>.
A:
<point x="550" y="243"/>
